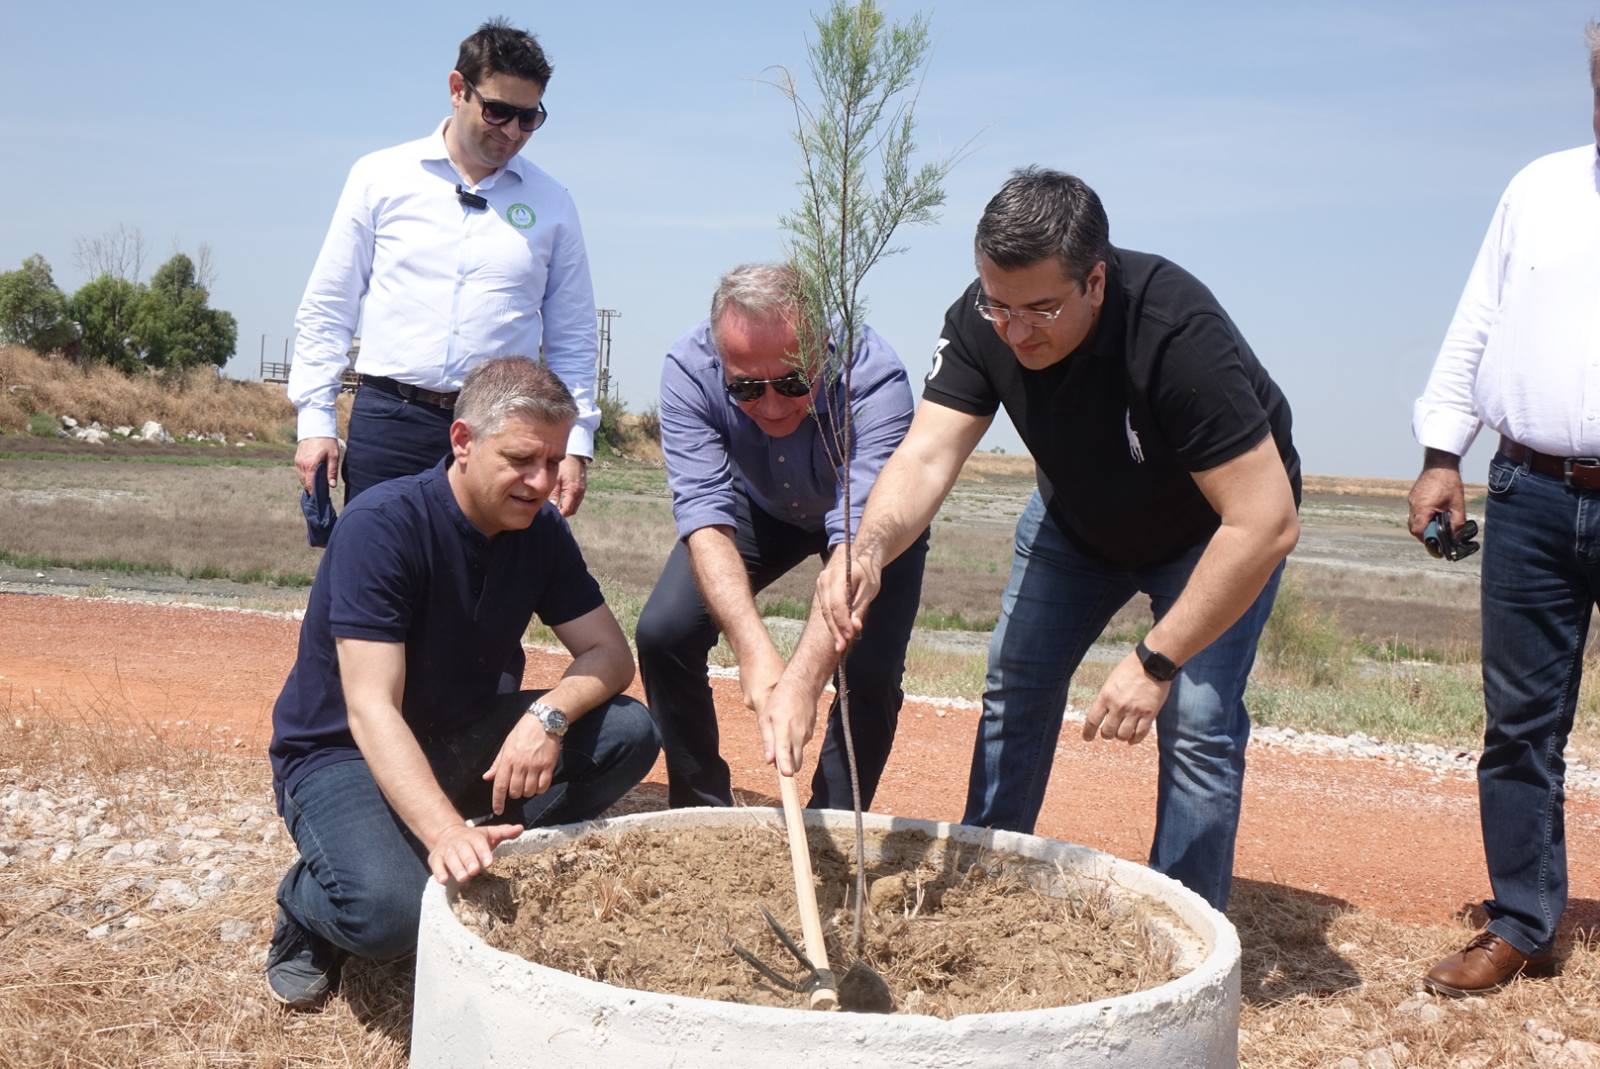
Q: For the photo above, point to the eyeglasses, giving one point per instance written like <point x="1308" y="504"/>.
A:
<point x="793" y="384"/>
<point x="995" y="313"/>
<point x="498" y="112"/>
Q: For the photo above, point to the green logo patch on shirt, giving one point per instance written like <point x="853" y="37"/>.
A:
<point x="520" y="216"/>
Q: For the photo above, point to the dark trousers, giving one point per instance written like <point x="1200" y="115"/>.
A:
<point x="1541" y="577"/>
<point x="676" y="634"/>
<point x="358" y="882"/>
<point x="390" y="437"/>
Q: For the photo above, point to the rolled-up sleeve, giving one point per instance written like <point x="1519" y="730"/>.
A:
<point x="699" y="471"/>
<point x="881" y="412"/>
<point x="570" y="336"/>
<point x="1445" y="417"/>
<point x="330" y="309"/>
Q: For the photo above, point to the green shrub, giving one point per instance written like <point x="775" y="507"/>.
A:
<point x="43" y="425"/>
<point x="1301" y="643"/>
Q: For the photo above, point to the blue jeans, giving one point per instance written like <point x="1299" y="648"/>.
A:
<point x="358" y="883"/>
<point x="390" y="437"/>
<point x="1541" y="576"/>
<point x="1056" y="603"/>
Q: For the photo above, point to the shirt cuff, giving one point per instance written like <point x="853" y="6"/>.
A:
<point x="1444" y="429"/>
<point x="580" y="443"/>
<point x="316" y="422"/>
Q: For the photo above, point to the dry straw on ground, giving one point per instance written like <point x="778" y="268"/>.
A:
<point x="1323" y="986"/>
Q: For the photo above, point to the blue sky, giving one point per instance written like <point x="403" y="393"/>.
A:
<point x="1327" y="169"/>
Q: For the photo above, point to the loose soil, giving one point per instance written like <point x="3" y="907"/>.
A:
<point x="951" y="932"/>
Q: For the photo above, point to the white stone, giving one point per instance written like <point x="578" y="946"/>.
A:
<point x="1379" y="1058"/>
<point x="235" y="931"/>
<point x="154" y="432"/>
<point x="93" y="435"/>
<point x="1583" y="1053"/>
<point x="461" y="983"/>
<point x="122" y="430"/>
<point x="61" y="852"/>
<point x="99" y="931"/>
<point x="174" y="894"/>
<point x="1347" y="1062"/>
<point x="68" y="422"/>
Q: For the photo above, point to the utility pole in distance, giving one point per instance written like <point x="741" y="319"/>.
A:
<point x="603" y="366"/>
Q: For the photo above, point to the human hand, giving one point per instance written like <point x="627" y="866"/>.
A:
<point x="787" y="721"/>
<point x="1127" y="705"/>
<point x="525" y="764"/>
<point x="844" y="611"/>
<point x="462" y="851"/>
<point x="758" y="677"/>
<point x="1437" y="489"/>
<point x="572" y="482"/>
<point x="309" y="454"/>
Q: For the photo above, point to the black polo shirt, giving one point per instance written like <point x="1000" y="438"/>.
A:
<point x="1164" y="386"/>
<point x="406" y="565"/>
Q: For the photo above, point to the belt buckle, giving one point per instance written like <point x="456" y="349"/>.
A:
<point x="1591" y="464"/>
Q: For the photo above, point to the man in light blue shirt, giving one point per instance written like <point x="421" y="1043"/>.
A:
<point x="448" y="251"/>
<point x="751" y="436"/>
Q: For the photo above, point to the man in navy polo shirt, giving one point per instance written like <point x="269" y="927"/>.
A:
<point x="1165" y="467"/>
<point x="750" y="440"/>
<point x="403" y="715"/>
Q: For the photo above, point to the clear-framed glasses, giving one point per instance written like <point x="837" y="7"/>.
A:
<point x="498" y="112"/>
<point x="995" y="313"/>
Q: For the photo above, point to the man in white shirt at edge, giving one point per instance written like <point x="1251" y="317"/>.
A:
<point x="1522" y="357"/>
<point x="461" y="251"/>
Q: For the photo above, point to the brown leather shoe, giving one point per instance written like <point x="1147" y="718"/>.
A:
<point x="1485" y="964"/>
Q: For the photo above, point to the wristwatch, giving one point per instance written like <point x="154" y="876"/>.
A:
<point x="553" y="719"/>
<point x="1158" y="666"/>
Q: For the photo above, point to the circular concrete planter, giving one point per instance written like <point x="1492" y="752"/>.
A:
<point x="477" y="1006"/>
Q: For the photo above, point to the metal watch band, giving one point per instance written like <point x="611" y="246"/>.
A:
<point x="553" y="719"/>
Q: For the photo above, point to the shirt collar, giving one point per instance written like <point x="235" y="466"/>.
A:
<point x="437" y="484"/>
<point x="433" y="151"/>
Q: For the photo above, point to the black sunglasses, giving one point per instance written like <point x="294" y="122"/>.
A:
<point x="793" y="384"/>
<point x="498" y="112"/>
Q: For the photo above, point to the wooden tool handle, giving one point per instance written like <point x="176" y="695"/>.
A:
<point x="805" y="891"/>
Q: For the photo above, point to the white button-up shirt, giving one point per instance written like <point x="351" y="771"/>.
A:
<point x="1523" y="352"/>
<point x="445" y="286"/>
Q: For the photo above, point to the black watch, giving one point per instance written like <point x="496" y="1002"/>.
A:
<point x="1158" y="666"/>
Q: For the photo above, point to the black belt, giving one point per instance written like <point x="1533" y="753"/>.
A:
<point x="407" y="392"/>
<point x="1580" y="472"/>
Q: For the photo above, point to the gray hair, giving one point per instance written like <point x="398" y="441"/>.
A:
<point x="496" y="389"/>
<point x="1041" y="213"/>
<point x="758" y="291"/>
<point x="1591" y="34"/>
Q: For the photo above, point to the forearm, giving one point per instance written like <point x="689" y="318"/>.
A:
<point x="903" y="502"/>
<point x="814" y="659"/>
<point x="725" y="588"/>
<point x="1229" y="576"/>
<point x="403" y="773"/>
<point x="594" y="678"/>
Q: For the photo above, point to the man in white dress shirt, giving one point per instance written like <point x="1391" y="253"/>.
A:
<point x="1522" y="357"/>
<point x="448" y="251"/>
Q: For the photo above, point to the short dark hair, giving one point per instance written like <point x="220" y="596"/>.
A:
<point x="500" y="48"/>
<point x="1041" y="213"/>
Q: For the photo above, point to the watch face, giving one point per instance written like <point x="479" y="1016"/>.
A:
<point x="553" y="719"/>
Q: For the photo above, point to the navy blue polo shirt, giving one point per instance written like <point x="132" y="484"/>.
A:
<point x="406" y="565"/>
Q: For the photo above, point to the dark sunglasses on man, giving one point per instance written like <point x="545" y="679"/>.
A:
<point x="498" y="112"/>
<point x="744" y="391"/>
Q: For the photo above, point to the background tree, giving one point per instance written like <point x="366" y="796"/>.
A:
<point x="173" y="325"/>
<point x="33" y="310"/>
<point x="857" y="187"/>
<point x="104" y="309"/>
<point x="119" y="252"/>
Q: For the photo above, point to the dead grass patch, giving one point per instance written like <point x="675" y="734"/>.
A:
<point x="199" y="401"/>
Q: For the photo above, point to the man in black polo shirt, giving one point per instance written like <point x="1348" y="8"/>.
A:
<point x="403" y="714"/>
<point x="1164" y="465"/>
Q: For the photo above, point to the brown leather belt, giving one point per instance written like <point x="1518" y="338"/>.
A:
<point x="407" y="392"/>
<point x="1580" y="472"/>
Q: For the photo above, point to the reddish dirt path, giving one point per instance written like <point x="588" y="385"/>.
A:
<point x="1387" y="837"/>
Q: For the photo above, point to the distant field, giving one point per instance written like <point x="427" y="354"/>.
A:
<point x="1371" y="634"/>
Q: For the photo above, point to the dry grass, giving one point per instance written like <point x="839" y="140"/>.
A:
<point x="1321" y="981"/>
<point x="201" y="401"/>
